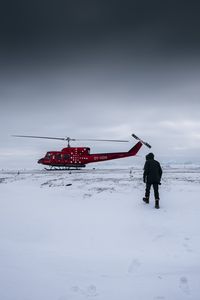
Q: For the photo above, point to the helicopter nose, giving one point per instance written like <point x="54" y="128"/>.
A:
<point x="40" y="161"/>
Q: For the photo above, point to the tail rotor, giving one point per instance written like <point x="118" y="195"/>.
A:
<point x="144" y="143"/>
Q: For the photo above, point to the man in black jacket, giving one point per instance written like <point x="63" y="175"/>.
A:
<point x="152" y="176"/>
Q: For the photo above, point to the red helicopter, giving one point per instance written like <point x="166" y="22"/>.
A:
<point x="78" y="157"/>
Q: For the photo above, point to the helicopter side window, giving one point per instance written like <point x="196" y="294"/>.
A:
<point x="58" y="156"/>
<point x="66" y="156"/>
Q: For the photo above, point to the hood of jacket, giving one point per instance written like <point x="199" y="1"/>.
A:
<point x="149" y="156"/>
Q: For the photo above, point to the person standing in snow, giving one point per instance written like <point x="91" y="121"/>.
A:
<point x="152" y="176"/>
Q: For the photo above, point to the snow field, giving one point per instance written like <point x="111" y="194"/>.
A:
<point x="87" y="234"/>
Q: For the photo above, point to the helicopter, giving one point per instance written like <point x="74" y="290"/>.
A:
<point x="78" y="157"/>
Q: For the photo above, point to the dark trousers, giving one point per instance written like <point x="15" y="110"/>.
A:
<point x="148" y="188"/>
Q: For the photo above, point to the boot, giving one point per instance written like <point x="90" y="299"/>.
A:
<point x="157" y="203"/>
<point x="146" y="200"/>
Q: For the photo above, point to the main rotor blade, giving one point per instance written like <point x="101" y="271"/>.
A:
<point x="40" y="137"/>
<point x="67" y="138"/>
<point x="99" y="140"/>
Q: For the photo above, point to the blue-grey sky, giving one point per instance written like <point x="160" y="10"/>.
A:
<point x="100" y="70"/>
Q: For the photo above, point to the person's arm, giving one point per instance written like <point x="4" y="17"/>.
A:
<point x="145" y="172"/>
<point x="160" y="171"/>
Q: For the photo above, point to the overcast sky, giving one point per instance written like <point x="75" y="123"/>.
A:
<point x="100" y="69"/>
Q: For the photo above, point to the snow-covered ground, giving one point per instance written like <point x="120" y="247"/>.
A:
<point x="87" y="234"/>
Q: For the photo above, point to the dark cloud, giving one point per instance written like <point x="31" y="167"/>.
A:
<point x="35" y="23"/>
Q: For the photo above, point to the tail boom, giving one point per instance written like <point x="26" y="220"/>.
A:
<point x="108" y="156"/>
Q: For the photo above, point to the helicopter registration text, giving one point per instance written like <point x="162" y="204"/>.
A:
<point x="102" y="157"/>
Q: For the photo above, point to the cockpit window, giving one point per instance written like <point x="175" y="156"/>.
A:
<point x="48" y="155"/>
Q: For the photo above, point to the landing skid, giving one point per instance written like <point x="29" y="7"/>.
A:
<point x="63" y="168"/>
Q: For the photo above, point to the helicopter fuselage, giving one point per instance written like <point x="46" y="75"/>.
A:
<point x="80" y="156"/>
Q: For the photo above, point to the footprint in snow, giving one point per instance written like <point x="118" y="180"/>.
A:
<point x="87" y="195"/>
<point x="135" y="264"/>
<point x="186" y="246"/>
<point x="184" y="286"/>
<point x="158" y="237"/>
<point x="91" y="291"/>
<point x="76" y="289"/>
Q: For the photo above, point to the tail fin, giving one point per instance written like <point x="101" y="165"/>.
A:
<point x="135" y="149"/>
